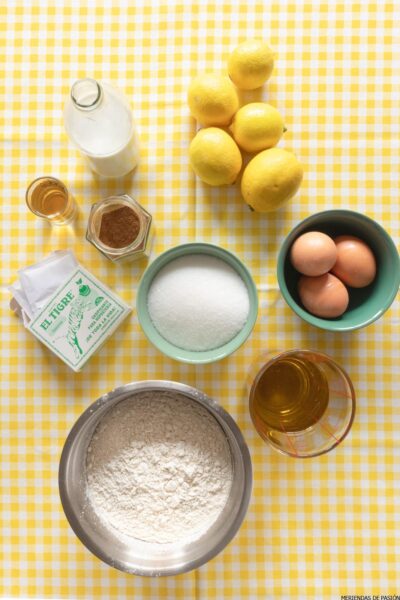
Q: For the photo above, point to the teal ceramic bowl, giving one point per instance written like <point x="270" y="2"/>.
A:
<point x="160" y="342"/>
<point x="366" y="304"/>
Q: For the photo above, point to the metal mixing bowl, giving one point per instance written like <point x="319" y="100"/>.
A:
<point x="130" y="554"/>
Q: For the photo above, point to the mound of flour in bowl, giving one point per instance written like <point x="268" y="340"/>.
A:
<point x="158" y="468"/>
<point x="198" y="302"/>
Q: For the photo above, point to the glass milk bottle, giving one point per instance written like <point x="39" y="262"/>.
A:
<point x="98" y="119"/>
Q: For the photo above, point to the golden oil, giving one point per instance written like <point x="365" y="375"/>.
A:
<point x="290" y="395"/>
<point x="48" y="197"/>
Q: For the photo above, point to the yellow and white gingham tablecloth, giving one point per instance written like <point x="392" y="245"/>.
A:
<point x="316" y="529"/>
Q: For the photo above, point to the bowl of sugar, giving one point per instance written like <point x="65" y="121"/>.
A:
<point x="197" y="303"/>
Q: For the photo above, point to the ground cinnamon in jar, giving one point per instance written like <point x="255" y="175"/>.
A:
<point x="119" y="227"/>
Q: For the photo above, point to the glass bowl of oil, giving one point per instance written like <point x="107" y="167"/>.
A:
<point x="301" y="402"/>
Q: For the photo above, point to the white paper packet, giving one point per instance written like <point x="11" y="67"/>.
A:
<point x="79" y="318"/>
<point x="41" y="280"/>
<point x="16" y="308"/>
<point x="66" y="307"/>
<point x="19" y="301"/>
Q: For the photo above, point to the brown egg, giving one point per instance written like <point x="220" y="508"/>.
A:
<point x="355" y="264"/>
<point x="324" y="296"/>
<point x="313" y="253"/>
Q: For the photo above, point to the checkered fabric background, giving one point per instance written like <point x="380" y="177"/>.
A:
<point x="316" y="529"/>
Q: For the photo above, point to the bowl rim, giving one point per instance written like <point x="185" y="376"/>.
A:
<point x="319" y="321"/>
<point x="121" y="393"/>
<point x="180" y="354"/>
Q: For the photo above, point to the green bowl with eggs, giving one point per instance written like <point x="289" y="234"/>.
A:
<point x="366" y="304"/>
<point x="172" y="350"/>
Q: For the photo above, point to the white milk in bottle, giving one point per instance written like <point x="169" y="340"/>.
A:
<point x="99" y="121"/>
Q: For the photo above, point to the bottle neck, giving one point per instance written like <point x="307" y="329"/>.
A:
<point x="86" y="94"/>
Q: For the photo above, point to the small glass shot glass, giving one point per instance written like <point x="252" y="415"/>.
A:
<point x="138" y="247"/>
<point x="48" y="198"/>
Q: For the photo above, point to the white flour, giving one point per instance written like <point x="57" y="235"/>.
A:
<point x="159" y="468"/>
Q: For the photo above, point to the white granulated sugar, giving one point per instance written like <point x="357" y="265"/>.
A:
<point x="158" y="468"/>
<point x="198" y="302"/>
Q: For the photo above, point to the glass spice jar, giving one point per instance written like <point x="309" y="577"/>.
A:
<point x="120" y="228"/>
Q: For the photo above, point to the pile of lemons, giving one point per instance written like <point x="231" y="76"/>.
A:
<point x="272" y="176"/>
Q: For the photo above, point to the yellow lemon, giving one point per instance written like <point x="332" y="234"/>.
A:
<point x="215" y="157"/>
<point x="270" y="179"/>
<point x="257" y="126"/>
<point x="250" y="64"/>
<point x="213" y="99"/>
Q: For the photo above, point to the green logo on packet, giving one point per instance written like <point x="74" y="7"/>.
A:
<point x="78" y="318"/>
